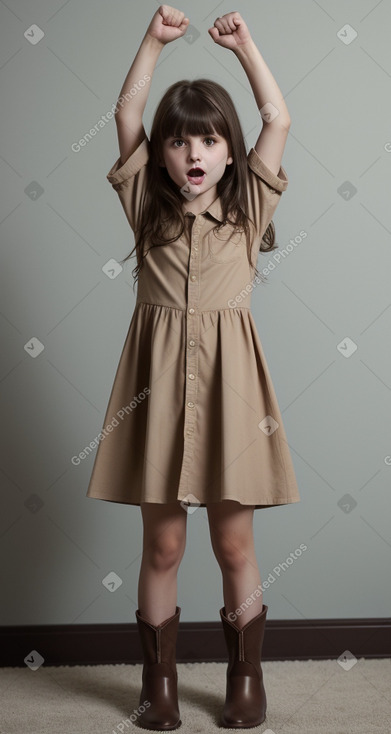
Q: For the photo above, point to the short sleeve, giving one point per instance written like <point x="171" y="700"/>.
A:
<point x="129" y="181"/>
<point x="264" y="191"/>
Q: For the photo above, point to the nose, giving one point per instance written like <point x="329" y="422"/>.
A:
<point x="194" y="154"/>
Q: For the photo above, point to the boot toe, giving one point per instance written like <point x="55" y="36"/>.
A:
<point x="159" y="722"/>
<point x="163" y="713"/>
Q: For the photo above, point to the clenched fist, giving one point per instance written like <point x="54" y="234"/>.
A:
<point x="230" y="31"/>
<point x="167" y="24"/>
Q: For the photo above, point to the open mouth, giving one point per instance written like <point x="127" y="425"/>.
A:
<point x="196" y="175"/>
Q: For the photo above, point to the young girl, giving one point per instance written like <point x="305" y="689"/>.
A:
<point x="193" y="418"/>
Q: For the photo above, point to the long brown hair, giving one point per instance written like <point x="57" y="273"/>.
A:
<point x="197" y="107"/>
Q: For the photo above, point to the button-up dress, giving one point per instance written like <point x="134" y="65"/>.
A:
<point x="193" y="416"/>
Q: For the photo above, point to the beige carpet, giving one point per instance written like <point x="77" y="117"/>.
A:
<point x="304" y="697"/>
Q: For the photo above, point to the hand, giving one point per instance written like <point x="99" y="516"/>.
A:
<point x="167" y="24"/>
<point x="230" y="31"/>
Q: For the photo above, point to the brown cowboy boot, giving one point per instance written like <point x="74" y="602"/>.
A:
<point x="159" y="677"/>
<point x="245" y="703"/>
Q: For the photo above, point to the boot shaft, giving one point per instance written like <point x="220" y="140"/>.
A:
<point x="244" y="645"/>
<point x="159" y="642"/>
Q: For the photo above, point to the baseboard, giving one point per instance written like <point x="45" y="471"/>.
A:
<point x="100" y="644"/>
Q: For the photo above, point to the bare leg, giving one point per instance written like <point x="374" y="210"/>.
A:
<point x="231" y="532"/>
<point x="164" y="542"/>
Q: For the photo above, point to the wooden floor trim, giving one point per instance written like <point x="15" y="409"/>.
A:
<point x="99" y="644"/>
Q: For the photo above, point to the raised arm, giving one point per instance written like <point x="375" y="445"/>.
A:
<point x="167" y="25"/>
<point x="231" y="32"/>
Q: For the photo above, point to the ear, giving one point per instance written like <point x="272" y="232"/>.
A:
<point x="229" y="160"/>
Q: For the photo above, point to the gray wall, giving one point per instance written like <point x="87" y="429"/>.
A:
<point x="332" y="286"/>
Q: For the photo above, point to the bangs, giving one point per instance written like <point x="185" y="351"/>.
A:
<point x="194" y="115"/>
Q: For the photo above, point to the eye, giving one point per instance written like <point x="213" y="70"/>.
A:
<point x="177" y="141"/>
<point x="213" y="141"/>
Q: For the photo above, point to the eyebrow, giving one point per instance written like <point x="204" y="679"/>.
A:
<point x="203" y="135"/>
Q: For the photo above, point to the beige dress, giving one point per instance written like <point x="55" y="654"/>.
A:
<point x="193" y="416"/>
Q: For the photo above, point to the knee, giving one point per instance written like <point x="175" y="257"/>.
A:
<point x="165" y="552"/>
<point x="232" y="555"/>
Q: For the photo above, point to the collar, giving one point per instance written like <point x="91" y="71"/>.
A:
<point x="214" y="209"/>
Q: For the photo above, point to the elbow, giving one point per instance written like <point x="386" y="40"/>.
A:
<point x="281" y="123"/>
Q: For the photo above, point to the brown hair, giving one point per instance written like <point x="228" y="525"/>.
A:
<point x="197" y="107"/>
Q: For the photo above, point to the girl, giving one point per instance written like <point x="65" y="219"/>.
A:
<point x="193" y="418"/>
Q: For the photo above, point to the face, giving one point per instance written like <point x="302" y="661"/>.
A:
<point x="207" y="152"/>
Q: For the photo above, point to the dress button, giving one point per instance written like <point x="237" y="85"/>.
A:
<point x="190" y="404"/>
<point x="191" y="376"/>
<point x="191" y="310"/>
<point x="191" y="343"/>
<point x="193" y="277"/>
